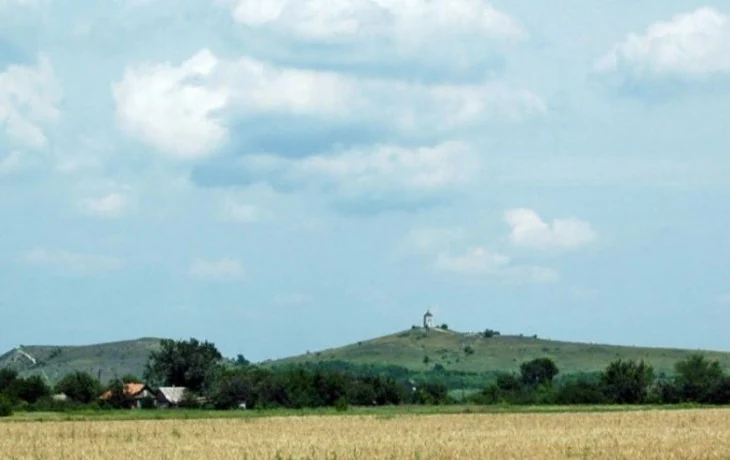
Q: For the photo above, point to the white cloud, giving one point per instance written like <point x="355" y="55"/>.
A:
<point x="406" y="23"/>
<point x="29" y="98"/>
<point x="482" y="261"/>
<point x="178" y="109"/>
<point x="72" y="262"/>
<point x="16" y="162"/>
<point x="257" y="87"/>
<point x="222" y="269"/>
<point x="429" y="240"/>
<point x="474" y="261"/>
<point x="234" y="211"/>
<point x="110" y="206"/>
<point x="723" y="299"/>
<point x="690" y="44"/>
<point x="175" y="109"/>
<point x="530" y="231"/>
<point x="381" y="169"/>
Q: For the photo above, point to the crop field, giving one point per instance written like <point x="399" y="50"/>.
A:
<point x="656" y="434"/>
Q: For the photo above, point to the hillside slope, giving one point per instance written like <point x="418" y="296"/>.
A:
<point x="108" y="360"/>
<point x="505" y="353"/>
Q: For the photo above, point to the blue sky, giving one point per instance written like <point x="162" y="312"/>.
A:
<point x="288" y="175"/>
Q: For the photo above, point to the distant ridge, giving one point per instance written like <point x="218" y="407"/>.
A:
<point x="472" y="352"/>
<point x="105" y="360"/>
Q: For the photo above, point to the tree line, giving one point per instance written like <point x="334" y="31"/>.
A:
<point x="217" y="383"/>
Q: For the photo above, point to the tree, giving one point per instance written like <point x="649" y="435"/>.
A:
<point x="182" y="363"/>
<point x="697" y="378"/>
<point x="489" y="333"/>
<point x="118" y="397"/>
<point x="130" y="378"/>
<point x="242" y="361"/>
<point x="7" y="377"/>
<point x="539" y="371"/>
<point x="30" y="390"/>
<point x="79" y="387"/>
<point x="6" y="407"/>
<point x="627" y="382"/>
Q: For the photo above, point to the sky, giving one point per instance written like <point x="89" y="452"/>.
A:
<point x="283" y="176"/>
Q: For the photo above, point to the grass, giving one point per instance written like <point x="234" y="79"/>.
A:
<point x="505" y="353"/>
<point x="637" y="434"/>
<point x="110" y="360"/>
<point x="380" y="412"/>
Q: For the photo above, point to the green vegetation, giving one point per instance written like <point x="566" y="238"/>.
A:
<point x="183" y="363"/>
<point x="104" y="361"/>
<point x="493" y="353"/>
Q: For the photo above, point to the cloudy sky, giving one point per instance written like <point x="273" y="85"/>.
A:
<point x="279" y="176"/>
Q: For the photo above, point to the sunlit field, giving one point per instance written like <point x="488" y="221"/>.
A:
<point x="677" y="434"/>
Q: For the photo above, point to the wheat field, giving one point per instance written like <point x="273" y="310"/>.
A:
<point x="685" y="434"/>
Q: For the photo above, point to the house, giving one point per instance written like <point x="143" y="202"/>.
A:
<point x="169" y="396"/>
<point x="134" y="394"/>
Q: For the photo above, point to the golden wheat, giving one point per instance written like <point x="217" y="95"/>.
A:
<point x="690" y="434"/>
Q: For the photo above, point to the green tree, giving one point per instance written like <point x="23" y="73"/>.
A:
<point x="79" y="387"/>
<point x="130" y="378"/>
<point x="627" y="382"/>
<point x="7" y="377"/>
<point x="540" y="371"/>
<point x="697" y="378"/>
<point x="6" y="407"/>
<point x="30" y="390"/>
<point x="182" y="363"/>
<point x="118" y="398"/>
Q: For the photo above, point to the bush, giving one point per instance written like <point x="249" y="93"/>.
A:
<point x="6" y="407"/>
<point x="489" y="333"/>
<point x="80" y="387"/>
<point x="468" y="350"/>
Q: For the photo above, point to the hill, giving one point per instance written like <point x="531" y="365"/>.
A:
<point x="474" y="353"/>
<point x="107" y="360"/>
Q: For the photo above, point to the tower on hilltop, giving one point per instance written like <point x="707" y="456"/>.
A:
<point x="428" y="319"/>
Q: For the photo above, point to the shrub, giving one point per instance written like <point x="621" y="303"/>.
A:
<point x="489" y="333"/>
<point x="6" y="408"/>
<point x="468" y="350"/>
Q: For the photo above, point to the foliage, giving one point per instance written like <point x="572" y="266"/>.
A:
<point x="6" y="407"/>
<point x="627" y="382"/>
<point x="80" y="387"/>
<point x="182" y="363"/>
<point x="469" y="350"/>
<point x="539" y="371"/>
<point x="444" y="327"/>
<point x="118" y="398"/>
<point x="30" y="389"/>
<point x="489" y="333"/>
<point x="698" y="378"/>
<point x="130" y="378"/>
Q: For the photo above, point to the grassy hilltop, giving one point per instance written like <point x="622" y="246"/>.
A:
<point x="113" y="359"/>
<point x="474" y="353"/>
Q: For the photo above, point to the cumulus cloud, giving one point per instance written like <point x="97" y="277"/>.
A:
<point x="179" y="109"/>
<point x="222" y="269"/>
<point x="173" y="108"/>
<point x="234" y="211"/>
<point x="529" y="230"/>
<point x="429" y="240"/>
<point x="405" y="23"/>
<point x="111" y="206"/>
<point x="694" y="44"/>
<point x="72" y="262"/>
<point x="373" y="171"/>
<point x="482" y="261"/>
<point x="29" y="98"/>
<point x="723" y="299"/>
